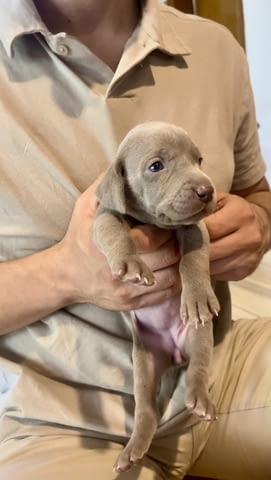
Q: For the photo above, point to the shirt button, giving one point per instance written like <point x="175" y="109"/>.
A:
<point x="63" y="50"/>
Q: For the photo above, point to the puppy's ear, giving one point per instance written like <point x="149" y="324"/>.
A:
<point x="111" y="190"/>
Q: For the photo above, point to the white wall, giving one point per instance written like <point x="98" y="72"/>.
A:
<point x="257" y="16"/>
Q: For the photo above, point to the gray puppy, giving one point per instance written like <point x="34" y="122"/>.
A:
<point x="156" y="179"/>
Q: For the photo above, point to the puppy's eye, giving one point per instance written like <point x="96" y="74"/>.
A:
<point x="156" y="166"/>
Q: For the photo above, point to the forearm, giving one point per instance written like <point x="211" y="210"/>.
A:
<point x="30" y="289"/>
<point x="261" y="202"/>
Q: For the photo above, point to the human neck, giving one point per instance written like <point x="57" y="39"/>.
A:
<point x="103" y="25"/>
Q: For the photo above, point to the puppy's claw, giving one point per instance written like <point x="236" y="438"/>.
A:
<point x="131" y="268"/>
<point x="118" y="469"/>
<point x="125" y="462"/>
<point x="119" y="274"/>
<point x="198" y="402"/>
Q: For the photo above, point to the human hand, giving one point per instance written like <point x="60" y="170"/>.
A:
<point x="236" y="238"/>
<point x="88" y="275"/>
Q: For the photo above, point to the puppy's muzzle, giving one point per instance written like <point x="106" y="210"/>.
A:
<point x="204" y="193"/>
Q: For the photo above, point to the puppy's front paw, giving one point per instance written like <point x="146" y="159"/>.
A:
<point x="198" y="307"/>
<point x="132" y="269"/>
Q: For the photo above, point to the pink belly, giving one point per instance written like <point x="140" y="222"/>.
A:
<point x="161" y="330"/>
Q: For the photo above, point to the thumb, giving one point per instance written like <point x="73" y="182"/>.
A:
<point x="89" y="199"/>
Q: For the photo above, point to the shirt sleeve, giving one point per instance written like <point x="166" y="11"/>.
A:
<point x="249" y="163"/>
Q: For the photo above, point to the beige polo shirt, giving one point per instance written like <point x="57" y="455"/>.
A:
<point x="62" y="114"/>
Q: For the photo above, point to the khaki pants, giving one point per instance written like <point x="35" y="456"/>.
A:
<point x="235" y="447"/>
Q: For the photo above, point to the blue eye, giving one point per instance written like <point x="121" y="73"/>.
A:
<point x="156" y="166"/>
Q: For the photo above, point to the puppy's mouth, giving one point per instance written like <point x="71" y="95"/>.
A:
<point x="175" y="218"/>
<point x="177" y="221"/>
<point x="187" y="206"/>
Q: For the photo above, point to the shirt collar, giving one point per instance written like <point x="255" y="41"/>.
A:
<point x="21" y="17"/>
<point x="160" y="31"/>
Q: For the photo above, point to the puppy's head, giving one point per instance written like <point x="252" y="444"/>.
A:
<point x="156" y="177"/>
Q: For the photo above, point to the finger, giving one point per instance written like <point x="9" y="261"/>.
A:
<point x="222" y="272"/>
<point x="230" y="213"/>
<point x="149" y="238"/>
<point x="89" y="199"/>
<point x="167" y="284"/>
<point x="245" y="239"/>
<point x="165" y="279"/>
<point x="221" y="197"/>
<point x="228" y="246"/>
<point x="168" y="255"/>
<point x="155" y="298"/>
<point x="221" y="223"/>
<point x="224" y="265"/>
<point x="235" y="267"/>
<point x="130" y="296"/>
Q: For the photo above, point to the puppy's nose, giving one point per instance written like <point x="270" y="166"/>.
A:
<point x="205" y="193"/>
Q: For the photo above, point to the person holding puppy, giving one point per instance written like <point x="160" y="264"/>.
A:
<point x="75" y="77"/>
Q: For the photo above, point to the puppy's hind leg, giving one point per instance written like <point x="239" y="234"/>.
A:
<point x="199" y="347"/>
<point x="147" y="371"/>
